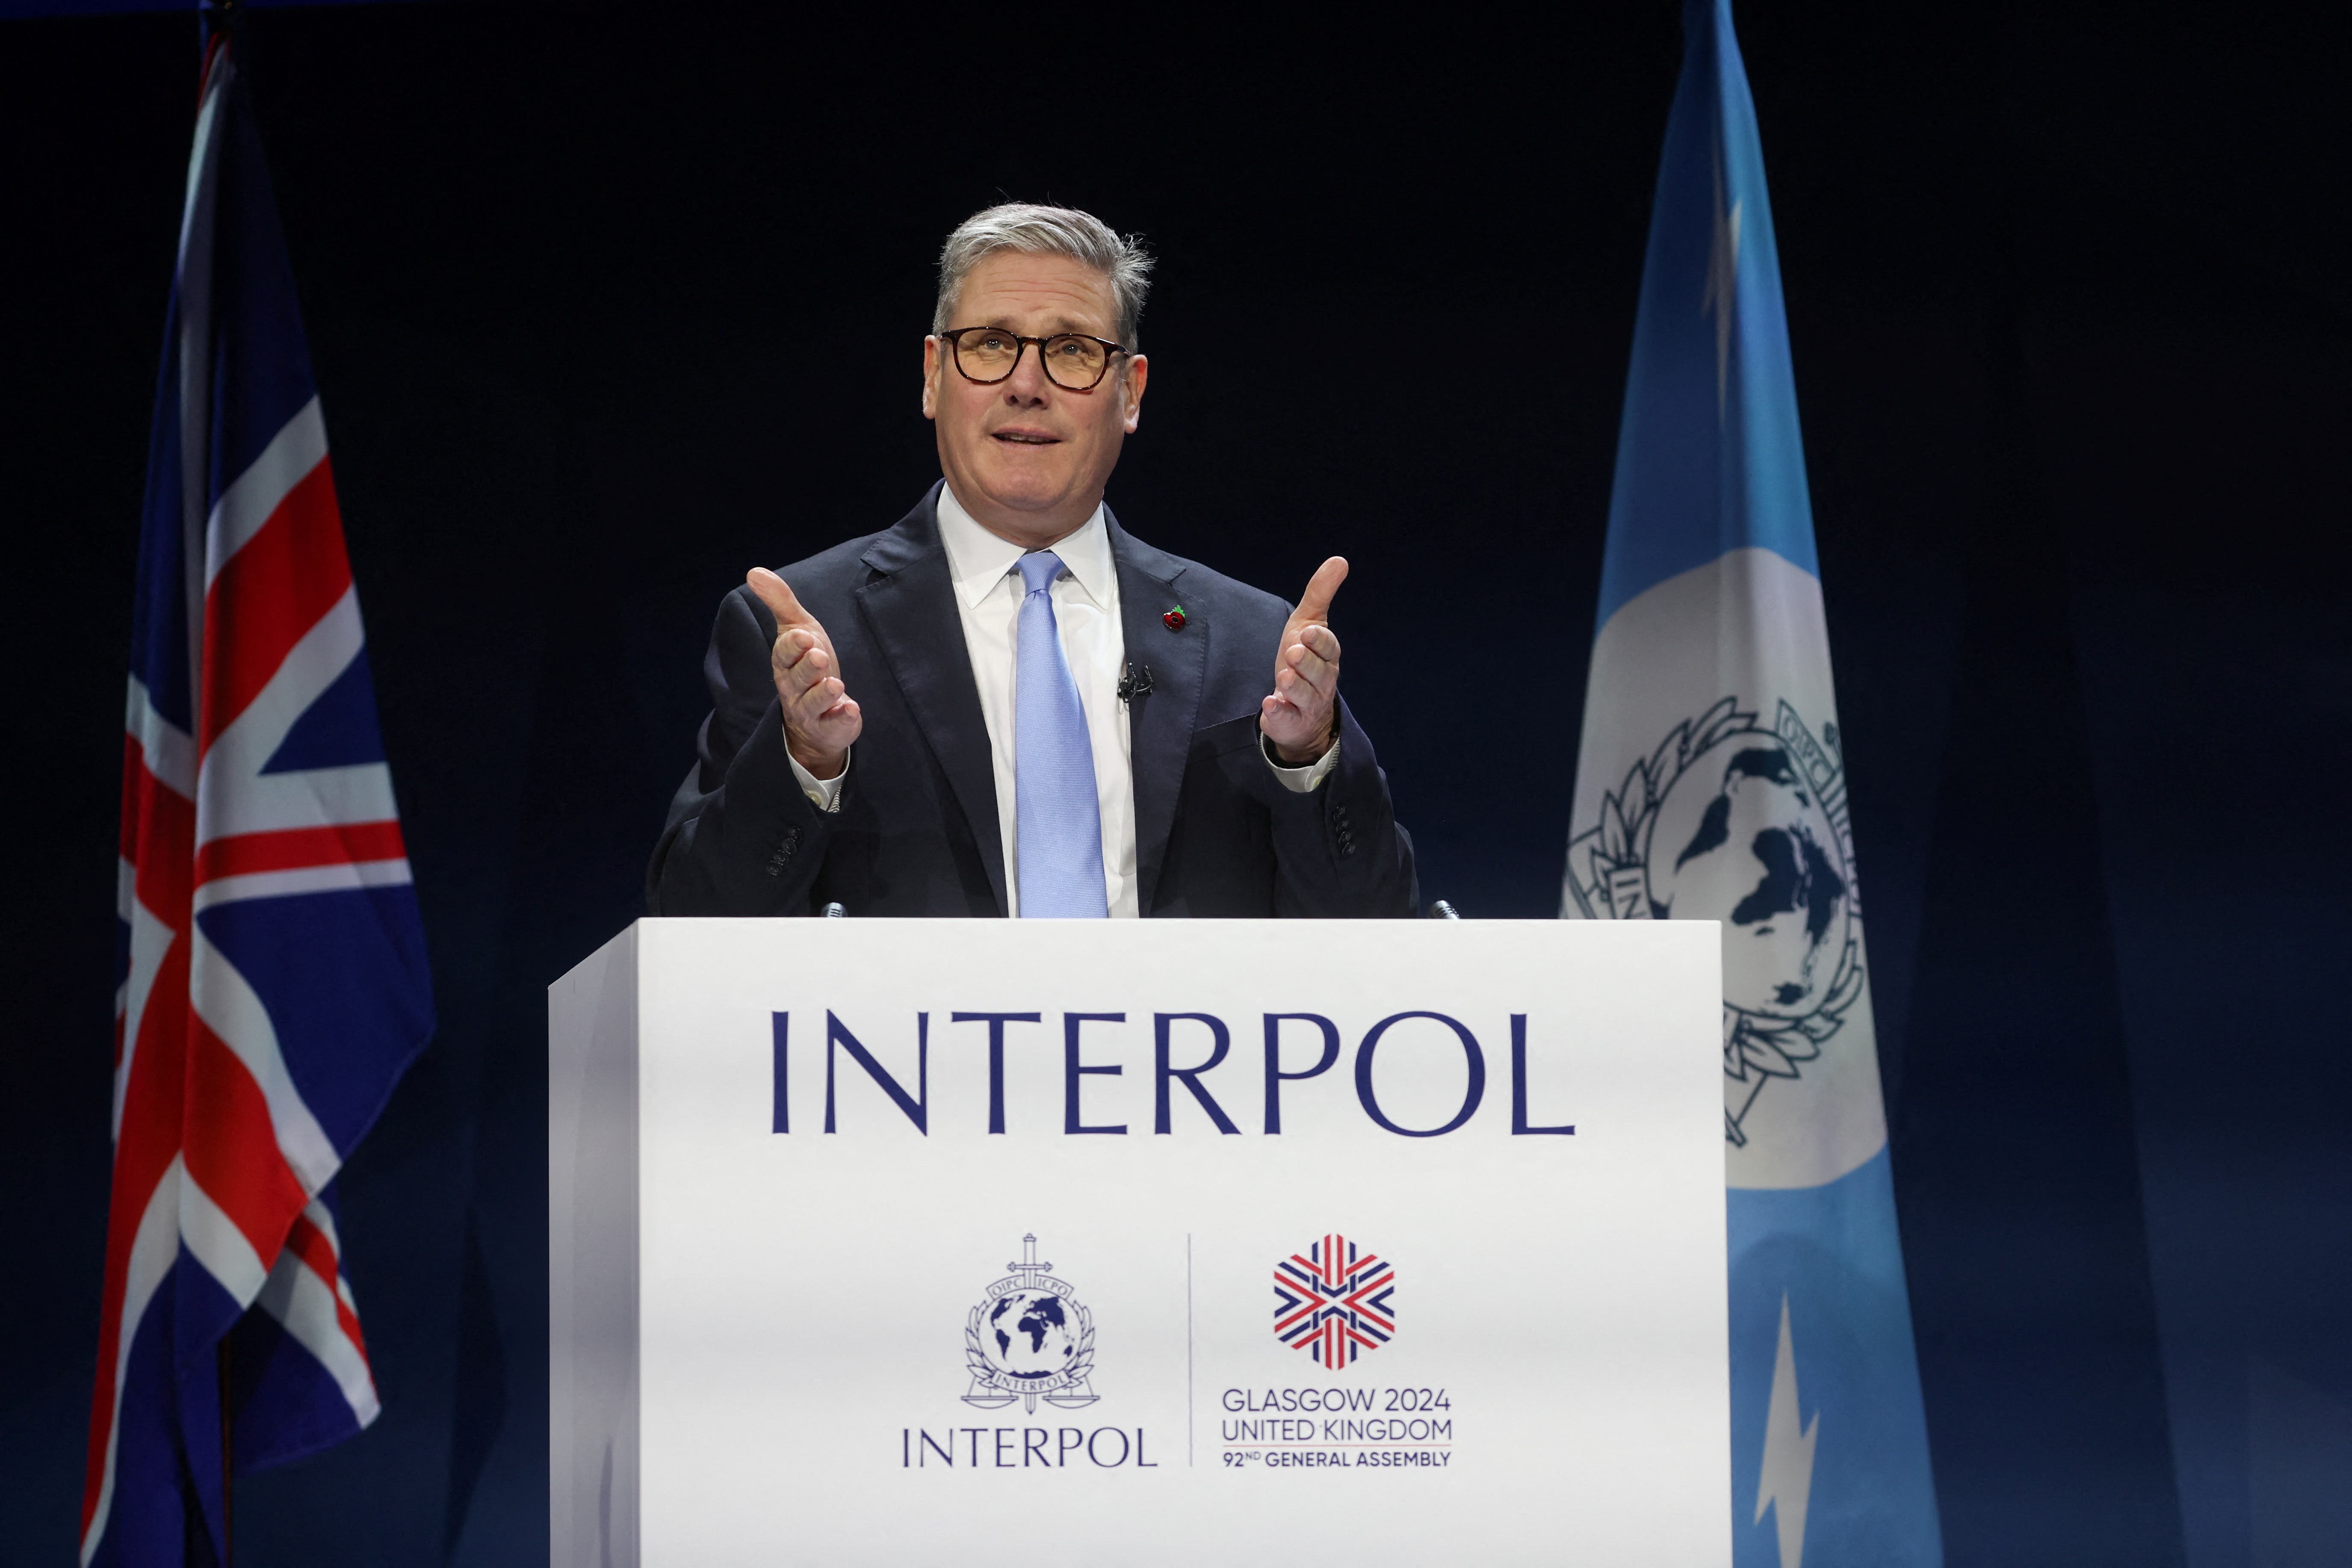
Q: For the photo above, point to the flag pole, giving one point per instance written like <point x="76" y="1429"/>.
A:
<point x="221" y="19"/>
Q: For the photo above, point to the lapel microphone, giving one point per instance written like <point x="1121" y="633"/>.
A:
<point x="1134" y="684"/>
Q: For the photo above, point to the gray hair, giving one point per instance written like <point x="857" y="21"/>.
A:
<point x="1047" y="231"/>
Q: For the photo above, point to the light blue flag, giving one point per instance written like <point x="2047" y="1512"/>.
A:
<point x="1710" y="785"/>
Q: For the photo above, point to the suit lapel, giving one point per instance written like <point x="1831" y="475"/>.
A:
<point x="1159" y="725"/>
<point x="910" y="610"/>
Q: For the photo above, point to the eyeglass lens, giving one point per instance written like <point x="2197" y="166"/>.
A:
<point x="1074" y="362"/>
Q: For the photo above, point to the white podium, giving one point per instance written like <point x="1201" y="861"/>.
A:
<point x="984" y="1242"/>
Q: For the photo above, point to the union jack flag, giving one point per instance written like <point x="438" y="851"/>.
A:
<point x="272" y="960"/>
<point x="1332" y="1301"/>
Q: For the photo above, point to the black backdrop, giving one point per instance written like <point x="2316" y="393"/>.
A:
<point x="607" y="304"/>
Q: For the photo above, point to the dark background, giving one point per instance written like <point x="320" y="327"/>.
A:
<point x="606" y="304"/>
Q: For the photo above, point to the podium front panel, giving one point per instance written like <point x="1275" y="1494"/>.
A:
<point x="1140" y="1242"/>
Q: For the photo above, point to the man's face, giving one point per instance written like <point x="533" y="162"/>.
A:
<point x="1027" y="457"/>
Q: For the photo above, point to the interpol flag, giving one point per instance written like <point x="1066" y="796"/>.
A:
<point x="273" y="974"/>
<point x="1711" y="786"/>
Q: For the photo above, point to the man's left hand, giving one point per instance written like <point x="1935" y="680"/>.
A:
<point x="1301" y="719"/>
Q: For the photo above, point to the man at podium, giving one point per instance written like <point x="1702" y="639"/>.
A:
<point x="1008" y="705"/>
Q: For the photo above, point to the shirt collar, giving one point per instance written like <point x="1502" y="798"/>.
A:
<point x="979" y="560"/>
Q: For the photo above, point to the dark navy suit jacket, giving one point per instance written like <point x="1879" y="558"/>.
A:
<point x="1216" y="832"/>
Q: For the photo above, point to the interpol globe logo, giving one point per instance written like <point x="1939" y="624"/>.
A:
<point x="1027" y="1336"/>
<point x="1030" y="1339"/>
<point x="1728" y="820"/>
<point x="1758" y="852"/>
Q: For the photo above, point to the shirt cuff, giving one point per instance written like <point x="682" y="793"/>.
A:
<point x="1298" y="781"/>
<point x="826" y="794"/>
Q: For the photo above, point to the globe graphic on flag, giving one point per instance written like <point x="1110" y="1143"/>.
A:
<point x="1027" y="1335"/>
<point x="1741" y="839"/>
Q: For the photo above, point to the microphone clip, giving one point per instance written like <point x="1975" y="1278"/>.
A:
<point x="1135" y="683"/>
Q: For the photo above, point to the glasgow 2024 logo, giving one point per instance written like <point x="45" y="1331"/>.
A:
<point x="1333" y="1301"/>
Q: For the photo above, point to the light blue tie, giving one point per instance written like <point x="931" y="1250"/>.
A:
<point x="1058" y="837"/>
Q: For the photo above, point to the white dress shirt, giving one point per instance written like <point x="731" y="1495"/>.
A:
<point x="985" y="571"/>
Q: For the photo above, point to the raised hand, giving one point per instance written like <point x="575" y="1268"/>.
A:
<point x="821" y="718"/>
<point x="1301" y="719"/>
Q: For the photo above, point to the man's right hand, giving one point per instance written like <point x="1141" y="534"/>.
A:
<point x="821" y="719"/>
